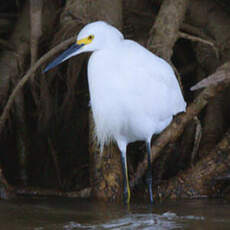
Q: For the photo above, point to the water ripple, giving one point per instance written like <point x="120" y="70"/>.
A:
<point x="147" y="221"/>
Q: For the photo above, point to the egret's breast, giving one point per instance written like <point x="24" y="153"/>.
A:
<point x="106" y="94"/>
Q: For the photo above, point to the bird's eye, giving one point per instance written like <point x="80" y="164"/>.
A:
<point x="91" y="37"/>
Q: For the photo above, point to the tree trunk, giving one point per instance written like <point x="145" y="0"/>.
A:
<point x="165" y="30"/>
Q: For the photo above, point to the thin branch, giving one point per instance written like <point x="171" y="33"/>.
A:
<point x="56" y="163"/>
<point x="6" y="44"/>
<point x="4" y="181"/>
<point x="35" y="27"/>
<point x="198" y="39"/>
<point x="191" y="29"/>
<point x="35" y="34"/>
<point x="7" y="191"/>
<point x="25" y="78"/>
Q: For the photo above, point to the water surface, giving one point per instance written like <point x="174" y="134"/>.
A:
<point x="76" y="214"/>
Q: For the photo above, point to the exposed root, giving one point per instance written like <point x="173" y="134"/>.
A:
<point x="221" y="75"/>
<point x="197" y="139"/>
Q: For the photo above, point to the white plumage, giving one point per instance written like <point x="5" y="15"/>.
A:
<point x="134" y="94"/>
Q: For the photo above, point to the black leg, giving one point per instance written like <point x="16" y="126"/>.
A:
<point x="149" y="172"/>
<point x="125" y="178"/>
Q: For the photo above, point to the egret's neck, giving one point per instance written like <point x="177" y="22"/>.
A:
<point x="112" y="39"/>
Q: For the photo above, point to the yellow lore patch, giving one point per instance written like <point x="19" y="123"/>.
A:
<point x="85" y="41"/>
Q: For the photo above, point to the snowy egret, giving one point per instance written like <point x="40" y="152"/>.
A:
<point x="134" y="94"/>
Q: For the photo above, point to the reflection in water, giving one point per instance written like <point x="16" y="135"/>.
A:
<point x="74" y="214"/>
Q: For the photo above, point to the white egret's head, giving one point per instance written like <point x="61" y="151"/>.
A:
<point x="94" y="36"/>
